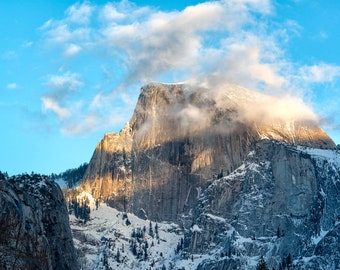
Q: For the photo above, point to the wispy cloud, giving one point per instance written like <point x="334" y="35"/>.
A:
<point x="61" y="89"/>
<point x="209" y="44"/>
<point x="320" y="73"/>
<point x="150" y="42"/>
<point x="64" y="83"/>
<point x="51" y="104"/>
<point x="27" y="44"/>
<point x="12" y="86"/>
<point x="72" y="50"/>
<point x="79" y="13"/>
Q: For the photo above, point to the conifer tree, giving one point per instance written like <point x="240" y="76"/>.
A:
<point x="262" y="265"/>
<point x="289" y="261"/>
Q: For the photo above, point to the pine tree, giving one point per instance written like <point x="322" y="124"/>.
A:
<point x="262" y="265"/>
<point x="133" y="247"/>
<point x="289" y="261"/>
<point x="118" y="255"/>
<point x="150" y="229"/>
<point x="156" y="231"/>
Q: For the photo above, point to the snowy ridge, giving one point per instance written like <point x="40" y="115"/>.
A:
<point x="330" y="155"/>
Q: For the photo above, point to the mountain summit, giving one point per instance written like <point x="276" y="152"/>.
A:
<point x="179" y="137"/>
<point x="243" y="173"/>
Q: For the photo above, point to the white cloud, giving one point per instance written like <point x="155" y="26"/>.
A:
<point x="92" y="121"/>
<point x="294" y="27"/>
<point x="61" y="89"/>
<point x="110" y="13"/>
<point x="210" y="43"/>
<point x="46" y="25"/>
<point x="65" y="82"/>
<point x="60" y="33"/>
<point x="321" y="73"/>
<point x="50" y="104"/>
<point x="79" y="13"/>
<point x="87" y="124"/>
<point x="268" y="109"/>
<point x="163" y="42"/>
<point x="12" y="86"/>
<point x="72" y="50"/>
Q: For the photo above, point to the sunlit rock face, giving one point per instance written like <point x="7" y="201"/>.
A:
<point x="109" y="173"/>
<point x="181" y="137"/>
<point x="34" y="225"/>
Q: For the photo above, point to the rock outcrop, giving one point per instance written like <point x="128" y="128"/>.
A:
<point x="282" y="200"/>
<point x="177" y="139"/>
<point x="241" y="180"/>
<point x="34" y="225"/>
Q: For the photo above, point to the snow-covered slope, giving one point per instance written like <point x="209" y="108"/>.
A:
<point x="115" y="240"/>
<point x="251" y="212"/>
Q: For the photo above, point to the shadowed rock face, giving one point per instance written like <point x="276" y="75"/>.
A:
<point x="281" y="200"/>
<point x="177" y="139"/>
<point x="34" y="225"/>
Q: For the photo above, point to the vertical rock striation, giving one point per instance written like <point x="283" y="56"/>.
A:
<point x="280" y="201"/>
<point x="35" y="232"/>
<point x="178" y="138"/>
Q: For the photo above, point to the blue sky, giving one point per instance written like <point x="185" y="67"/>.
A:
<point x="71" y="71"/>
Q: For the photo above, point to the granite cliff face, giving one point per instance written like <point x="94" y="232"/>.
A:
<point x="35" y="231"/>
<point x="242" y="181"/>
<point x="177" y="139"/>
<point x="282" y="200"/>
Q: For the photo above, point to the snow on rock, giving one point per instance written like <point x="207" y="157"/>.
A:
<point x="85" y="196"/>
<point x="316" y="239"/>
<point x="195" y="228"/>
<point x="123" y="241"/>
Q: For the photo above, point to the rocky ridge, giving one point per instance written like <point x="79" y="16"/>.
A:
<point x="240" y="185"/>
<point x="282" y="200"/>
<point x="35" y="231"/>
<point x="192" y="135"/>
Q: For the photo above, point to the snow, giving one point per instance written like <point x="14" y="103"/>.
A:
<point x="195" y="228"/>
<point x="331" y="155"/>
<point x="107" y="232"/>
<point x="317" y="239"/>
<point x="220" y="219"/>
<point x="85" y="196"/>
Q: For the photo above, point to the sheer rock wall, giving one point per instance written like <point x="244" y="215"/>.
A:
<point x="177" y="139"/>
<point x="35" y="231"/>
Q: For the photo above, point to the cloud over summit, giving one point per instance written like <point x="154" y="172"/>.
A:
<point x="208" y="44"/>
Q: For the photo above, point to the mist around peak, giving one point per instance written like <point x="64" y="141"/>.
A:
<point x="166" y="112"/>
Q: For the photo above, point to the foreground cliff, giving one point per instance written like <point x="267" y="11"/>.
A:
<point x="34" y="225"/>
